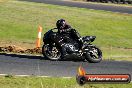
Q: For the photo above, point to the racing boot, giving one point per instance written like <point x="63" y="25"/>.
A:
<point x="63" y="50"/>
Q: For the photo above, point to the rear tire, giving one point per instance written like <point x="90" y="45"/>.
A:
<point x="51" y="53"/>
<point x="94" y="55"/>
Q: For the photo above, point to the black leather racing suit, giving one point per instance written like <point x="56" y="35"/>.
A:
<point x="62" y="37"/>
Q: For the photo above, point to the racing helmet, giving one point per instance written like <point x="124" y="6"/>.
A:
<point x="60" y="24"/>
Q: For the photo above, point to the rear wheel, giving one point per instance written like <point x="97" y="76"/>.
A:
<point x="94" y="55"/>
<point x="51" y="52"/>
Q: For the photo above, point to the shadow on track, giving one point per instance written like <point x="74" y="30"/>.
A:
<point x="38" y="57"/>
<point x="23" y="56"/>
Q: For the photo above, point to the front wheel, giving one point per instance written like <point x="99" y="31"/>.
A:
<point x="51" y="52"/>
<point x="94" y="55"/>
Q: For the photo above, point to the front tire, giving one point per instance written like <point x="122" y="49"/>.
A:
<point x="94" y="55"/>
<point x="51" y="52"/>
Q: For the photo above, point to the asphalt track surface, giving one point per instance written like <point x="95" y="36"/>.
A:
<point x="120" y="9"/>
<point x="36" y="65"/>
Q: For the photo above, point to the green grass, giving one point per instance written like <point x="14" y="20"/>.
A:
<point x="119" y="54"/>
<point x="37" y="82"/>
<point x="19" y="21"/>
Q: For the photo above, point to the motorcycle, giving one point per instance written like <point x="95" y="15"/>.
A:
<point x="88" y="52"/>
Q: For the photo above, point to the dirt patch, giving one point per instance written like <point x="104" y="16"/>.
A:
<point x="15" y="49"/>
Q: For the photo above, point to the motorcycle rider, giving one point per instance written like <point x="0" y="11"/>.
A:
<point x="65" y="30"/>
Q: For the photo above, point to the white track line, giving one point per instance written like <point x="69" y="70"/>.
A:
<point x="33" y="76"/>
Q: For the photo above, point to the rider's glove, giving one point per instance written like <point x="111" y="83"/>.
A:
<point x="80" y="40"/>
